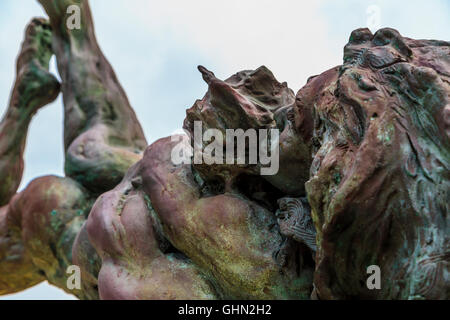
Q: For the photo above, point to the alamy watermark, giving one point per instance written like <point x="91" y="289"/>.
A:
<point x="74" y="20"/>
<point x="254" y="147"/>
<point x="374" y="280"/>
<point x="373" y="17"/>
<point x="74" y="280"/>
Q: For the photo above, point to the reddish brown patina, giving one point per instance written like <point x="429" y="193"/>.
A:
<point x="363" y="179"/>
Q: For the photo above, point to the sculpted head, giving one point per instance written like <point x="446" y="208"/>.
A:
<point x="380" y="146"/>
<point x="251" y="100"/>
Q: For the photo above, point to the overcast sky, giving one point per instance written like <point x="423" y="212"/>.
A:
<point x="155" y="46"/>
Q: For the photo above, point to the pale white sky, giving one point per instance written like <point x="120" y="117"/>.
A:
<point x="155" y="46"/>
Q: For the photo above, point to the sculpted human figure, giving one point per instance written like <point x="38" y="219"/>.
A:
<point x="362" y="179"/>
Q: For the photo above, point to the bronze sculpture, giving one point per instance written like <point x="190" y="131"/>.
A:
<point x="366" y="143"/>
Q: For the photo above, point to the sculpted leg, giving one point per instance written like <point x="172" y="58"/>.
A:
<point x="37" y="230"/>
<point x="34" y="88"/>
<point x="38" y="225"/>
<point x="16" y="265"/>
<point x="102" y="137"/>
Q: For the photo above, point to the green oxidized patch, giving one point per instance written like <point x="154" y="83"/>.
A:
<point x="337" y="177"/>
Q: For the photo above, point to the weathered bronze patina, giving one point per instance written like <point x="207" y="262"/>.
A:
<point x="364" y="156"/>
